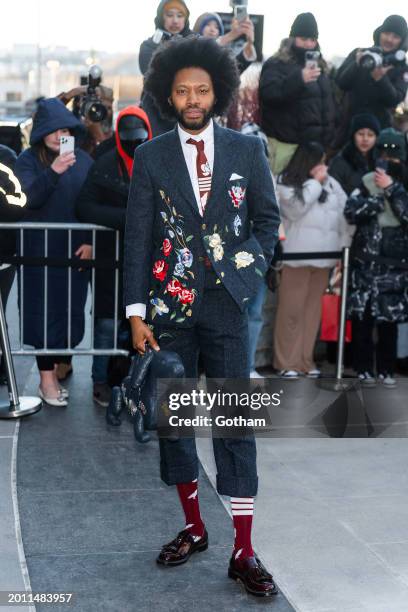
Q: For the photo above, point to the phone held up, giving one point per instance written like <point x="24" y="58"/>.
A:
<point x="67" y="144"/>
<point x="240" y="12"/>
<point x="312" y="59"/>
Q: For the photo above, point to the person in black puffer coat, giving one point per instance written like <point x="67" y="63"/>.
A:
<point x="378" y="292"/>
<point x="357" y="157"/>
<point x="103" y="201"/>
<point x="171" y="21"/>
<point x="381" y="90"/>
<point x="297" y="102"/>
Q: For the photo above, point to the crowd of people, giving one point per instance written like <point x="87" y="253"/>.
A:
<point x="340" y="169"/>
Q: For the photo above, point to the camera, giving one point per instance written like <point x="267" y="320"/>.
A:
<point x="375" y="58"/>
<point x="91" y="107"/>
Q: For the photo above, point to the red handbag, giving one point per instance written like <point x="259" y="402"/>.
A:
<point x="329" y="331"/>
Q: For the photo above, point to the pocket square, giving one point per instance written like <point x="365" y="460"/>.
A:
<point x="235" y="177"/>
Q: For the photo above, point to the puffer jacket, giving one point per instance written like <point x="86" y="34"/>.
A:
<point x="349" y="166"/>
<point x="381" y="217"/>
<point x="294" y="111"/>
<point x="311" y="225"/>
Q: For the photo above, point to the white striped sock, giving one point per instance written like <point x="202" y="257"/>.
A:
<point x="242" y="506"/>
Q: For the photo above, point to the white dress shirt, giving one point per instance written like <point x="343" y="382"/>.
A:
<point x="190" y="155"/>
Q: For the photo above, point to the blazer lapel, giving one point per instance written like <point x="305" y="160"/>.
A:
<point x="177" y="170"/>
<point x="224" y="156"/>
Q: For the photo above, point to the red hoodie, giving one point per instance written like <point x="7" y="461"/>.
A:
<point x="137" y="112"/>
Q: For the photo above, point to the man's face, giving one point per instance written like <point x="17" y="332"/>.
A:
<point x="389" y="41"/>
<point x="305" y="43"/>
<point x="193" y="98"/>
<point x="174" y="21"/>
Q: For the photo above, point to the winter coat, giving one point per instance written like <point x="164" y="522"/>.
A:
<point x="369" y="96"/>
<point x="348" y="167"/>
<point x="294" y="111"/>
<point x="103" y="200"/>
<point x="310" y="224"/>
<point x="51" y="198"/>
<point x="381" y="217"/>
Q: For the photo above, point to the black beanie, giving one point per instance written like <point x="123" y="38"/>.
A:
<point x="395" y="24"/>
<point x="305" y="25"/>
<point x="365" y="120"/>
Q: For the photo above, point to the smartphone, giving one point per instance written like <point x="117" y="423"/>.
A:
<point x="312" y="59"/>
<point x="382" y="164"/>
<point x="240" y="12"/>
<point x="67" y="144"/>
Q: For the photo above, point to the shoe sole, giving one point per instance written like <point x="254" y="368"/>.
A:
<point x="238" y="578"/>
<point x="200" y="548"/>
<point x="101" y="402"/>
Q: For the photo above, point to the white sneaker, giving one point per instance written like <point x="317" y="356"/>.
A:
<point x="313" y="373"/>
<point x="387" y="380"/>
<point x="255" y="374"/>
<point x="367" y="379"/>
<point x="289" y="374"/>
<point x="53" y="401"/>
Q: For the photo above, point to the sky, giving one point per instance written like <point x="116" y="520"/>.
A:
<point x="123" y="24"/>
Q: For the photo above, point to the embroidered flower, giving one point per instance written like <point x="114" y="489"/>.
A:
<point x="218" y="252"/>
<point x="237" y="195"/>
<point x="214" y="240"/>
<point x="186" y="296"/>
<point x="160" y="306"/>
<point x="174" y="287"/>
<point x="243" y="259"/>
<point x="185" y="257"/>
<point x="167" y="247"/>
<point x="237" y="225"/>
<point x="160" y="268"/>
<point x="179" y="269"/>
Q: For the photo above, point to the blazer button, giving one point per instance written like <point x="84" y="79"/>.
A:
<point x="204" y="227"/>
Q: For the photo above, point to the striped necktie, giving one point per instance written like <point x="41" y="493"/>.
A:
<point x="203" y="173"/>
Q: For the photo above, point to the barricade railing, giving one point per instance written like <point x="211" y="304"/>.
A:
<point x="16" y="408"/>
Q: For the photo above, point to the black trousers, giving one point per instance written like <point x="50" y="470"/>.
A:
<point x="46" y="362"/>
<point x="220" y="337"/>
<point x="384" y="352"/>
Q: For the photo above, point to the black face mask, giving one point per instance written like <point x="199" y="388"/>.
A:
<point x="130" y="146"/>
<point x="299" y="54"/>
<point x="132" y="132"/>
<point x="396" y="171"/>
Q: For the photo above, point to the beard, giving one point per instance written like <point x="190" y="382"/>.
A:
<point x="193" y="124"/>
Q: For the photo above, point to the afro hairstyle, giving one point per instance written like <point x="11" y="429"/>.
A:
<point x="189" y="52"/>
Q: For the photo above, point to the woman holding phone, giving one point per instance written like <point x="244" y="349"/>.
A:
<point x="51" y="181"/>
<point x="378" y="293"/>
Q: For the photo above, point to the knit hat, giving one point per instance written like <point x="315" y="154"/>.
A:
<point x="305" y="25"/>
<point x="176" y="4"/>
<point x="395" y="24"/>
<point x="393" y="143"/>
<point x="205" y="19"/>
<point x="365" y="120"/>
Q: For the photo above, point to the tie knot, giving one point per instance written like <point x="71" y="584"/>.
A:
<point x="197" y="143"/>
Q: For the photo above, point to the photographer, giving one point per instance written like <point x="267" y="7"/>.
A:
<point x="378" y="283"/>
<point x="171" y="21"/>
<point x="210" y="25"/>
<point x="380" y="89"/>
<point x="295" y="93"/>
<point x="96" y="131"/>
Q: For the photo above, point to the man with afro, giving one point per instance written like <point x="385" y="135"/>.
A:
<point x="202" y="223"/>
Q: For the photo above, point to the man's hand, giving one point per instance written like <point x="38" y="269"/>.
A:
<point x="63" y="162"/>
<point x="379" y="73"/>
<point x="309" y="75"/>
<point x="382" y="179"/>
<point x="141" y="333"/>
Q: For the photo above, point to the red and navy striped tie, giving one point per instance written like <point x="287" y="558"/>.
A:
<point x="203" y="172"/>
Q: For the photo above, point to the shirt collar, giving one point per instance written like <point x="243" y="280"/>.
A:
<point x="207" y="135"/>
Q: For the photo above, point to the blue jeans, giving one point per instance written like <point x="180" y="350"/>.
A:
<point x="104" y="339"/>
<point x="255" y="323"/>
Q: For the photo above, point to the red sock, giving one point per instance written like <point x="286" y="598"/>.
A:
<point x="242" y="513"/>
<point x="188" y="494"/>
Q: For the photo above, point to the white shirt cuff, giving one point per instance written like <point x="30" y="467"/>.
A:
<point x="136" y="310"/>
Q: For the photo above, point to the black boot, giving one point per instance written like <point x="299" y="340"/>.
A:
<point x="115" y="407"/>
<point x="138" y="427"/>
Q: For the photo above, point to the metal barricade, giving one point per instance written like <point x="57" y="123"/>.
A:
<point x="19" y="406"/>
